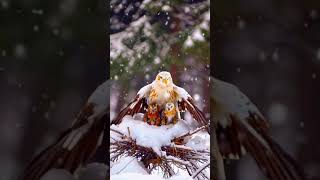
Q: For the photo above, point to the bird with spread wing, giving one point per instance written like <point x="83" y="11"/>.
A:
<point x="241" y="128"/>
<point x="77" y="145"/>
<point x="163" y="91"/>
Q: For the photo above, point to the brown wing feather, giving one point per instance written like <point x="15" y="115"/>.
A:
<point x="229" y="136"/>
<point x="58" y="156"/>
<point x="198" y="115"/>
<point x="271" y="159"/>
<point x="138" y="105"/>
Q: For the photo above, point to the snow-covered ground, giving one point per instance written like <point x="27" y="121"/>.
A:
<point x="128" y="167"/>
<point x="127" y="176"/>
<point x="154" y="137"/>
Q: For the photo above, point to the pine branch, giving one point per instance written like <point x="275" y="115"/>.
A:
<point x="179" y="140"/>
<point x="200" y="169"/>
<point x="179" y="156"/>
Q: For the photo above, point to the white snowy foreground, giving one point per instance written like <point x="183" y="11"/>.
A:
<point x="154" y="137"/>
<point x="128" y="176"/>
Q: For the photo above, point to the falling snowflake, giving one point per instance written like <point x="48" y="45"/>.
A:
<point x="188" y="42"/>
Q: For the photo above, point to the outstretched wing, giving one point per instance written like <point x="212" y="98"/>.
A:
<point x="241" y="128"/>
<point x="226" y="100"/>
<point x="77" y="144"/>
<point x="138" y="105"/>
<point x="185" y="102"/>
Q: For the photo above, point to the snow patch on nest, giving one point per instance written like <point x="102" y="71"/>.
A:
<point x="127" y="165"/>
<point x="149" y="136"/>
<point x="127" y="176"/>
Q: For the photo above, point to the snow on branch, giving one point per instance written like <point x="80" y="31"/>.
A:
<point x="156" y="27"/>
<point x="165" y="148"/>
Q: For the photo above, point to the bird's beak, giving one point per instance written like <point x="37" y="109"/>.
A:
<point x="165" y="81"/>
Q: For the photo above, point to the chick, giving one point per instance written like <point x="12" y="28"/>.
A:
<point x="170" y="114"/>
<point x="152" y="116"/>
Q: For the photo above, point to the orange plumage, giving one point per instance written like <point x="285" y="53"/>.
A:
<point x="152" y="116"/>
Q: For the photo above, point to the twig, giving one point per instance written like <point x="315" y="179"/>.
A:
<point x="195" y="174"/>
<point x="128" y="131"/>
<point x="116" y="131"/>
<point x="125" y="166"/>
<point x="180" y="138"/>
<point x="178" y="156"/>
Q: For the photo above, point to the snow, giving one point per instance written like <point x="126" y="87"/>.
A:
<point x="318" y="54"/>
<point x="199" y="141"/>
<point x="150" y="136"/>
<point x="200" y="169"/>
<point x="229" y="99"/>
<point x="100" y="101"/>
<point x="188" y="43"/>
<point x="145" y="3"/>
<point x="118" y="48"/>
<point x="127" y="176"/>
<point x="37" y="11"/>
<point x="3" y="53"/>
<point x="20" y="50"/>
<point x="157" y="60"/>
<point x="100" y="98"/>
<point x="4" y="4"/>
<point x="166" y="8"/>
<point x="197" y="35"/>
<point x="127" y="165"/>
<point x="196" y="97"/>
<point x="278" y="113"/>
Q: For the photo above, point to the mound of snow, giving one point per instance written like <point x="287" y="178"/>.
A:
<point x="127" y="165"/>
<point x="149" y="136"/>
<point x="199" y="141"/>
<point x="126" y="176"/>
<point x="154" y="137"/>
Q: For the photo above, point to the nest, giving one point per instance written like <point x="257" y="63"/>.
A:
<point x="180" y="156"/>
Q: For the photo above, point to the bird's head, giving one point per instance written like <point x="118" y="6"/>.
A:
<point x="169" y="106"/>
<point x="153" y="108"/>
<point x="164" y="79"/>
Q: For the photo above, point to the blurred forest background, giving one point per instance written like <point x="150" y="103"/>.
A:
<point x="152" y="36"/>
<point x="271" y="50"/>
<point x="52" y="57"/>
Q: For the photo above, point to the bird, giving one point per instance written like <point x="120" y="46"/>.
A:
<point x="170" y="115"/>
<point x="161" y="91"/>
<point x="78" y="144"/>
<point x="152" y="116"/>
<point x="241" y="128"/>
